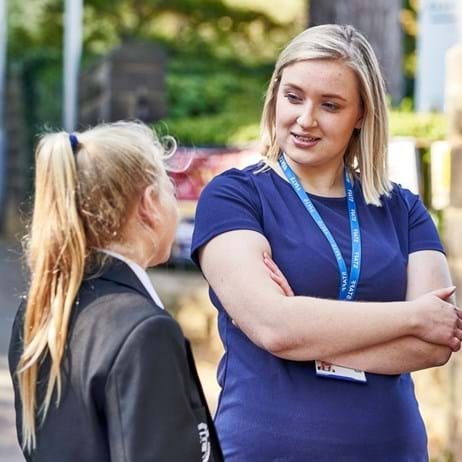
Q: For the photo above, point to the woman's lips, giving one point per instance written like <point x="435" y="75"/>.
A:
<point x="304" y="141"/>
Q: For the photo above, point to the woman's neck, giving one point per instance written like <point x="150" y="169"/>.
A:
<point x="324" y="181"/>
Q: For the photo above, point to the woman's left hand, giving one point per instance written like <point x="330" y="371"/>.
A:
<point x="277" y="276"/>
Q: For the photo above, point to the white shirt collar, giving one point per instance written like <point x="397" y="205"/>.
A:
<point x="140" y="273"/>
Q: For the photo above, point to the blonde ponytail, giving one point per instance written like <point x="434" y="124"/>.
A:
<point x="82" y="199"/>
<point x="56" y="258"/>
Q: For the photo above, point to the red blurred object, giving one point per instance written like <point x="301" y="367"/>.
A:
<point x="204" y="164"/>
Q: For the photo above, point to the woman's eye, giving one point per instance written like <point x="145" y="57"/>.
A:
<point x="330" y="106"/>
<point x="292" y="98"/>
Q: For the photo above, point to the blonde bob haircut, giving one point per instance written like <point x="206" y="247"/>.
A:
<point x="83" y="196"/>
<point x="366" y="152"/>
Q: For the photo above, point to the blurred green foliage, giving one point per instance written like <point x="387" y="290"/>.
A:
<point x="219" y="54"/>
<point x="425" y="127"/>
<point x="212" y="106"/>
<point x="220" y="58"/>
<point x="206" y="91"/>
<point x="213" y="26"/>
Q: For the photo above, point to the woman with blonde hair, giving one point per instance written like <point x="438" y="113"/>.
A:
<point x="330" y="281"/>
<point x="101" y="371"/>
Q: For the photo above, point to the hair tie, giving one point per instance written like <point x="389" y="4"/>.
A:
<point x="74" y="142"/>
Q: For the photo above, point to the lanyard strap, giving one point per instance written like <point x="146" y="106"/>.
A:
<point x="347" y="285"/>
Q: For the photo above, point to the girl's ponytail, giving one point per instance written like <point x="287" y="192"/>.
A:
<point x="85" y="187"/>
<point x="56" y="258"/>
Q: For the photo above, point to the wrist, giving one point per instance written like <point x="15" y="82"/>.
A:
<point x="413" y="321"/>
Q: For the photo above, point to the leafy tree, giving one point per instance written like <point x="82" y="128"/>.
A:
<point x="212" y="27"/>
<point x="217" y="52"/>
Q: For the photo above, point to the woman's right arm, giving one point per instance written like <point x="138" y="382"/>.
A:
<point x="306" y="328"/>
<point x="400" y="355"/>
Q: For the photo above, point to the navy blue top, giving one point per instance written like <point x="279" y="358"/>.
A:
<point x="271" y="409"/>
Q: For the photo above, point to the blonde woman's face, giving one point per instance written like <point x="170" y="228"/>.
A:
<point x="317" y="108"/>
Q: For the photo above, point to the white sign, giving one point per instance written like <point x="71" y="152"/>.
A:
<point x="440" y="28"/>
<point x="403" y="165"/>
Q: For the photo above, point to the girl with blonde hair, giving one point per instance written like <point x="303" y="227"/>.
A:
<point x="101" y="371"/>
<point x="330" y="281"/>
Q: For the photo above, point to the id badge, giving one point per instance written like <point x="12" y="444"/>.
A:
<point x="332" y="371"/>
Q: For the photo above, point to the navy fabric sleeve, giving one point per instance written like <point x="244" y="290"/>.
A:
<point x="229" y="202"/>
<point x="423" y="234"/>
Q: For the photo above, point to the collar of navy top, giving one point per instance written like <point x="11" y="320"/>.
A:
<point x="118" y="271"/>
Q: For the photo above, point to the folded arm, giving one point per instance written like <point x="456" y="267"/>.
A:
<point x="305" y="328"/>
<point x="427" y="270"/>
<point x="406" y="354"/>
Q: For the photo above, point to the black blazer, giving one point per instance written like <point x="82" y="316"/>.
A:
<point x="130" y="388"/>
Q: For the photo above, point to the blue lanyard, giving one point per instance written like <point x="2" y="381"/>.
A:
<point x="347" y="285"/>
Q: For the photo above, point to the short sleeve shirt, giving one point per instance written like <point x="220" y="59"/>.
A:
<point x="275" y="409"/>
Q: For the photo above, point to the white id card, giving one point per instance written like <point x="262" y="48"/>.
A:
<point x="332" y="371"/>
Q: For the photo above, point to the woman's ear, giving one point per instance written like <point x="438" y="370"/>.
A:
<point x="148" y="207"/>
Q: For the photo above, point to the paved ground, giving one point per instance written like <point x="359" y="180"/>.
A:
<point x="11" y="288"/>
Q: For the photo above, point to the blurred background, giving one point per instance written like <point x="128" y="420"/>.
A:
<point x="197" y="70"/>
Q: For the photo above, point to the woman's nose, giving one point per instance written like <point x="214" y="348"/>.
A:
<point x="307" y="118"/>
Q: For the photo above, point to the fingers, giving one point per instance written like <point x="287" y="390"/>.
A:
<point x="454" y="344"/>
<point x="277" y="276"/>
<point x="283" y="284"/>
<point x="270" y="264"/>
<point x="458" y="312"/>
<point x="455" y="338"/>
<point x="458" y="335"/>
<point x="445" y="323"/>
<point x="444" y="293"/>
